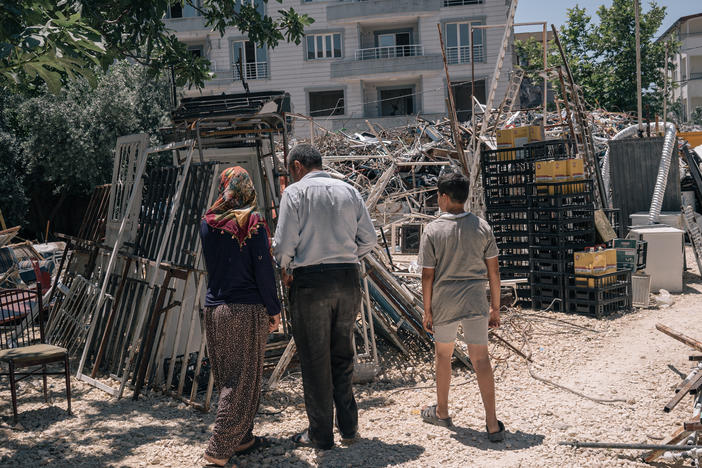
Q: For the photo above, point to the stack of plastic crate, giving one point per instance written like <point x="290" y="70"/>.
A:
<point x="599" y="296"/>
<point x="563" y="222"/>
<point x="508" y="176"/>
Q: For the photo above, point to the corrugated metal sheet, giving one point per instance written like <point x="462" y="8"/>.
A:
<point x="634" y="166"/>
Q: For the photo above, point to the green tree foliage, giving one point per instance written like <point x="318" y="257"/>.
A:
<point x="53" y="41"/>
<point x="602" y="57"/>
<point x="61" y="146"/>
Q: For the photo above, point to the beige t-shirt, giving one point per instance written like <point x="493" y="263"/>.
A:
<point x="456" y="246"/>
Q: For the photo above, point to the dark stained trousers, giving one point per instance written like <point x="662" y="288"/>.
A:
<point x="324" y="302"/>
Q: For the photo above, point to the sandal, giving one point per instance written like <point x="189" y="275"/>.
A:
<point x="498" y="436"/>
<point x="258" y="443"/>
<point x="302" y="439"/>
<point x="429" y="416"/>
<point x="208" y="463"/>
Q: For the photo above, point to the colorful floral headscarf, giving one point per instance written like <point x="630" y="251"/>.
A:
<point x="234" y="211"/>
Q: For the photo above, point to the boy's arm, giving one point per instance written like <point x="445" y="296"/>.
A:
<point x="427" y="285"/>
<point x="494" y="280"/>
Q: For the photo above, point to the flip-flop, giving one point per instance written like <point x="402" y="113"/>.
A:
<point x="258" y="443"/>
<point x="429" y="416"/>
<point x="302" y="439"/>
<point x="345" y="438"/>
<point x="208" y="464"/>
<point x="498" y="436"/>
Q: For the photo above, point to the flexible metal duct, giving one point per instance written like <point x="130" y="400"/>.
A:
<point x="662" y="177"/>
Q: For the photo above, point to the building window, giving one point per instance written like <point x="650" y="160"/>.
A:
<point x="196" y="51"/>
<point x="450" y="3"/>
<point x="462" y="97"/>
<point x="185" y="11"/>
<point x="458" y="43"/>
<point x="259" y="5"/>
<point x="249" y="61"/>
<point x="326" y="103"/>
<point x="396" y="101"/>
<point x="322" y="46"/>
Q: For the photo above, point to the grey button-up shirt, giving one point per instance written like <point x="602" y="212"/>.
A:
<point x="322" y="220"/>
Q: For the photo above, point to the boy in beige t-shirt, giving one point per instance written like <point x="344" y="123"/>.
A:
<point x="458" y="254"/>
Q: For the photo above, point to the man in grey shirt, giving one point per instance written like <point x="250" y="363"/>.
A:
<point x="323" y="230"/>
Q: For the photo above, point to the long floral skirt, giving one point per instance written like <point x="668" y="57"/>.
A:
<point x="236" y="340"/>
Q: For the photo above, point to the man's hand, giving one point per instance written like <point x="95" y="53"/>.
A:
<point x="273" y="323"/>
<point x="428" y="322"/>
<point x="287" y="279"/>
<point x="494" y="321"/>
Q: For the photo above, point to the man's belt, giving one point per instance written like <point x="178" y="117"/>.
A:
<point x="324" y="267"/>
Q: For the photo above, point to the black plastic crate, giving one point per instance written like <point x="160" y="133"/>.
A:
<point x="599" y="288"/>
<point x="538" y="252"/>
<point x="562" y="194"/>
<point x="564" y="240"/>
<point x="599" y="296"/>
<point x="517" y="241"/>
<point x="598" y="309"/>
<point x="561" y="265"/>
<point x="575" y="226"/>
<point x="507" y="195"/>
<point x="547" y="280"/>
<point x="514" y="271"/>
<point x="548" y="149"/>
<point x="507" y="214"/>
<point x="548" y="213"/>
<point x="509" y="229"/>
<point x="502" y="155"/>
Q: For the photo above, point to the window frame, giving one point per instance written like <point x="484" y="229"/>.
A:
<point x="232" y="53"/>
<point x="479" y="21"/>
<point x="197" y="12"/>
<point x="315" y="36"/>
<point x="310" y="91"/>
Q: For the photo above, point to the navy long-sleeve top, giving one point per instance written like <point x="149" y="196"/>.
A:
<point x="238" y="275"/>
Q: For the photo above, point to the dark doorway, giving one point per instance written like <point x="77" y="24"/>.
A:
<point x="396" y="101"/>
<point x="461" y="96"/>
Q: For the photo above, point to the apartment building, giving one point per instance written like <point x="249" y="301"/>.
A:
<point x="686" y="79"/>
<point x="372" y="59"/>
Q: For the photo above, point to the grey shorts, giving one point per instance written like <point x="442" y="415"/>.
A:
<point x="475" y="331"/>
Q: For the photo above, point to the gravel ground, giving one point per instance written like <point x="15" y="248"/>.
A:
<point x="622" y="357"/>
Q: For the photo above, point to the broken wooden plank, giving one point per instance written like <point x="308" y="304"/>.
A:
<point x="684" y="390"/>
<point x="691" y="342"/>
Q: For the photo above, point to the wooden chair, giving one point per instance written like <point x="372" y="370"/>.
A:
<point x="22" y="343"/>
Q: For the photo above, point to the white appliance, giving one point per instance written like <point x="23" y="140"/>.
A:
<point x="669" y="218"/>
<point x="664" y="261"/>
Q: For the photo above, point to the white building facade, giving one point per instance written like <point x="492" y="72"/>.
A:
<point x="374" y="59"/>
<point x="687" y="77"/>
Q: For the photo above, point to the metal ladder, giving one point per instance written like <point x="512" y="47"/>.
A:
<point x="693" y="231"/>
<point x="507" y="103"/>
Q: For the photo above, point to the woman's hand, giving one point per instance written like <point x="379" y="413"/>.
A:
<point x="273" y="323"/>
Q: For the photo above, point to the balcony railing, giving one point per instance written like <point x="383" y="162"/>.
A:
<point x="461" y="54"/>
<point x="252" y="71"/>
<point x="411" y="50"/>
<point x="450" y="3"/>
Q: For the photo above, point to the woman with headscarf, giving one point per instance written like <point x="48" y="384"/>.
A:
<point x="241" y="308"/>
